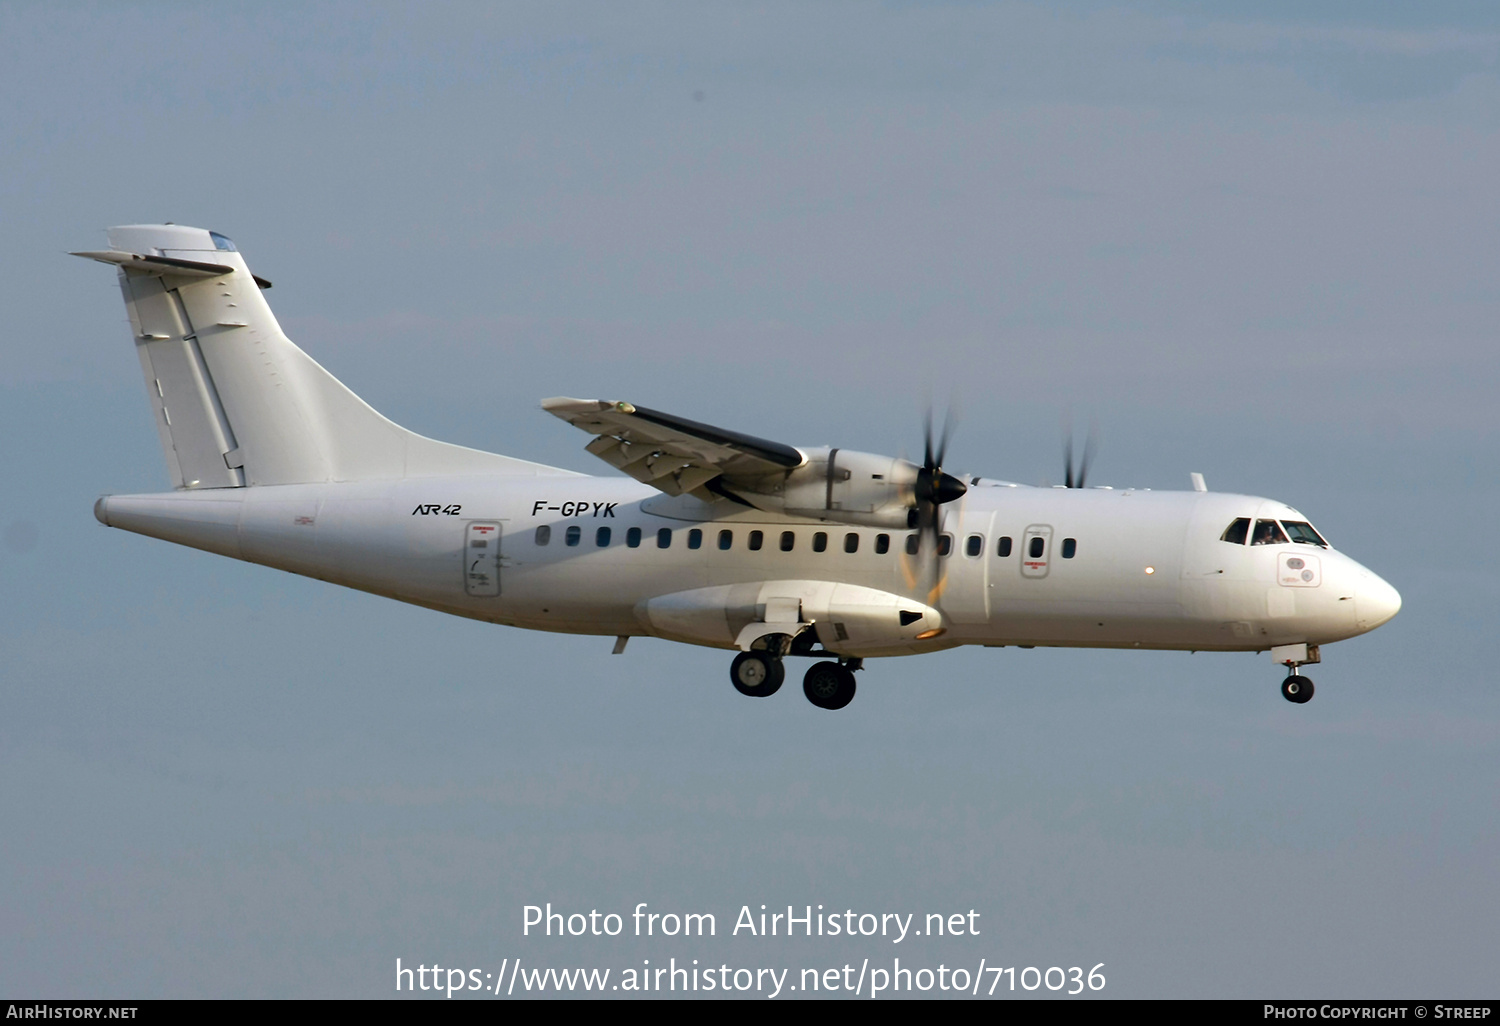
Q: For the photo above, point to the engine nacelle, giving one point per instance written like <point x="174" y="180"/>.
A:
<point x="842" y="485"/>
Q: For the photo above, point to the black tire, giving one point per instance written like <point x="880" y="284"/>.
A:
<point x="828" y="685"/>
<point x="1297" y="688"/>
<point x="757" y="674"/>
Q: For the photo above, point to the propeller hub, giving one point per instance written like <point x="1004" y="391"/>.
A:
<point x="937" y="487"/>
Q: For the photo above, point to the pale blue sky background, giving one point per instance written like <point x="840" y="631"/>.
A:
<point x="1255" y="242"/>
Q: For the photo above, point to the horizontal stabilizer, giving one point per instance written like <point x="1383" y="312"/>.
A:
<point x="159" y="264"/>
<point x="236" y="403"/>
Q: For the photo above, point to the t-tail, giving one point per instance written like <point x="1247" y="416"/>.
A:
<point x="236" y="403"/>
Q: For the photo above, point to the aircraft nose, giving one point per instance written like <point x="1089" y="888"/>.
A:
<point x="1375" y="602"/>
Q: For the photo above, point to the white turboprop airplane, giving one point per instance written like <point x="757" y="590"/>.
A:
<point x="714" y="538"/>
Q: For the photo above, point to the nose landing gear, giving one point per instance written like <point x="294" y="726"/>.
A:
<point x="1296" y="688"/>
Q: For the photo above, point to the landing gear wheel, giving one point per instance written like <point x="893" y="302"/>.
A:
<point x="828" y="685"/>
<point x="757" y="674"/>
<point x="1297" y="688"/>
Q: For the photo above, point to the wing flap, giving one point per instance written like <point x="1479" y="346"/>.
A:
<point x="672" y="453"/>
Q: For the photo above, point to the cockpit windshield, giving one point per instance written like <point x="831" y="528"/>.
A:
<point x="1267" y="532"/>
<point x="220" y="242"/>
<point x="1303" y="534"/>
<point x="1235" y="533"/>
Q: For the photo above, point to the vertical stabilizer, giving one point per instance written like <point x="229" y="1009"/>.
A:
<point x="236" y="402"/>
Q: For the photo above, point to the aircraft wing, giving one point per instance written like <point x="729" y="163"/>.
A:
<point x="673" y="454"/>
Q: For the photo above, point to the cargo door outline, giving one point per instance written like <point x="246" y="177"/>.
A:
<point x="1036" y="566"/>
<point x="481" y="556"/>
<point x="966" y="597"/>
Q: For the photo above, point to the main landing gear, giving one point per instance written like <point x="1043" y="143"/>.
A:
<point x="757" y="674"/>
<point x="827" y="685"/>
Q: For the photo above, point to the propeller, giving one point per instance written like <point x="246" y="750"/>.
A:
<point x="1078" y="480"/>
<point x="932" y="489"/>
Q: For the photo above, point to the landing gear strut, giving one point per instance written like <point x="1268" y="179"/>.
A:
<point x="1296" y="688"/>
<point x="757" y="674"/>
<point x="829" y="685"/>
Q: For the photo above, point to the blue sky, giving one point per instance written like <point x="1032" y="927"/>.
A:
<point x="1253" y="243"/>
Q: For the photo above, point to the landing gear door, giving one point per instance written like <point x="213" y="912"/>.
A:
<point x="482" y="559"/>
<point x="1036" y="551"/>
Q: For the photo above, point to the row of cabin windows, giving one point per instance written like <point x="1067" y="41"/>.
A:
<point x="973" y="545"/>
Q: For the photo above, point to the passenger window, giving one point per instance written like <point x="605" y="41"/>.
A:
<point x="1038" y="546"/>
<point x="573" y="536"/>
<point x="664" y="537"/>
<point x="633" y="537"/>
<point x="851" y="542"/>
<point x="1303" y="534"/>
<point x="974" y="546"/>
<point x="1070" y="548"/>
<point x="757" y="538"/>
<point x="820" y="541"/>
<point x="882" y="544"/>
<point x="912" y="543"/>
<point x="695" y="539"/>
<point x="788" y="539"/>
<point x="1003" y="549"/>
<point x="601" y="537"/>
<point x="726" y="539"/>
<point x="1235" y="533"/>
<point x="945" y="544"/>
<point x="1268" y="532"/>
<point x="543" y="534"/>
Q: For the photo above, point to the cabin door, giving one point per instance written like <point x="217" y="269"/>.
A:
<point x="482" y="558"/>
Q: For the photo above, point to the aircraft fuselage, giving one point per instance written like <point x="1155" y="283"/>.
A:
<point x="1082" y="567"/>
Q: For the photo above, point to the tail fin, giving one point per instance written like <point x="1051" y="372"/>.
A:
<point x="236" y="402"/>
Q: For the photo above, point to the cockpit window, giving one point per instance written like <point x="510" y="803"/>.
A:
<point x="1235" y="533"/>
<point x="1303" y="534"/>
<point x="1268" y="532"/>
<point x="222" y="243"/>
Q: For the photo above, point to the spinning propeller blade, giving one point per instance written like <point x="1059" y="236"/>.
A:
<point x="1080" y="479"/>
<point x="932" y="490"/>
